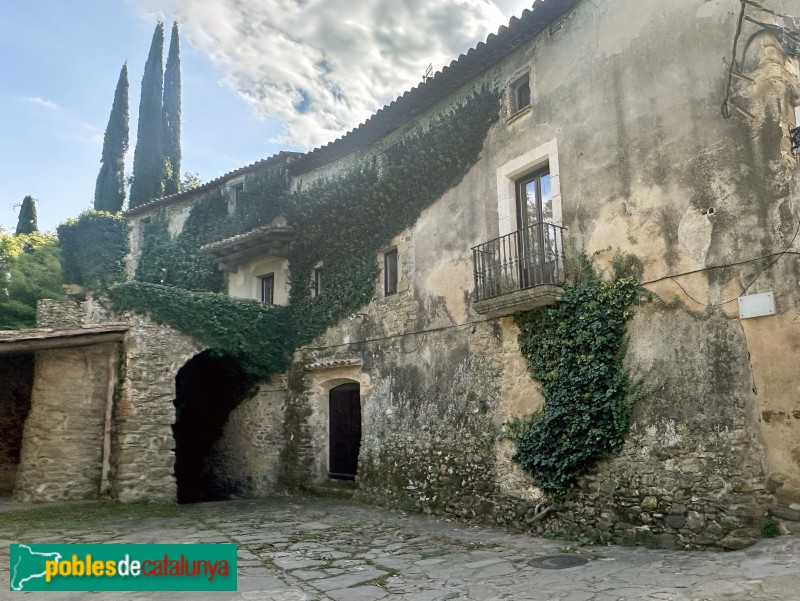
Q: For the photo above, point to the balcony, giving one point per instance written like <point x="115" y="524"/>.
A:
<point x="230" y="253"/>
<point x="519" y="271"/>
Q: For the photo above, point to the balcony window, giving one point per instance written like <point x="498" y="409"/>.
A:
<point x="528" y="258"/>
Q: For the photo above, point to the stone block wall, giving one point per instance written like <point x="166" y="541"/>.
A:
<point x="142" y="444"/>
<point x="62" y="450"/>
<point x="143" y="451"/>
<point x="16" y="382"/>
<point x="699" y="489"/>
<point x="244" y="460"/>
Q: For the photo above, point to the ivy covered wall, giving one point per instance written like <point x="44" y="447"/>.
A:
<point x="341" y="222"/>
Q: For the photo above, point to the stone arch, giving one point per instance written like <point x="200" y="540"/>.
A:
<point x="321" y="380"/>
<point x="334" y="382"/>
<point x="207" y="388"/>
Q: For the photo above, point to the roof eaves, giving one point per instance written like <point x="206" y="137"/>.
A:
<point x="284" y="155"/>
<point x="423" y="96"/>
<point x="411" y="103"/>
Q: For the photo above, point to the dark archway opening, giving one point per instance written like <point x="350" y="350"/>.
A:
<point x="344" y="431"/>
<point x="207" y="389"/>
<point x="16" y="384"/>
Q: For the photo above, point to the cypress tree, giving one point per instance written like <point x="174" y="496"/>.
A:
<point x="109" y="192"/>
<point x="148" y="157"/>
<point x="171" y="124"/>
<point x="26" y="224"/>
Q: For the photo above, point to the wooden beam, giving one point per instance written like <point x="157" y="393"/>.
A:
<point x="72" y="340"/>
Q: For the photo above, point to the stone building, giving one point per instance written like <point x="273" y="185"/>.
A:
<point x="626" y="126"/>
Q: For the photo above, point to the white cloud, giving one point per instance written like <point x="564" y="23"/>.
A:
<point x="38" y="100"/>
<point x="324" y="66"/>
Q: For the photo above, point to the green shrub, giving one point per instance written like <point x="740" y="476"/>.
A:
<point x="93" y="248"/>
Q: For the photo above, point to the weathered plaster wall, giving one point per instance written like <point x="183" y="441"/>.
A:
<point x="246" y="281"/>
<point x="437" y="380"/>
<point x="62" y="447"/>
<point x="16" y="382"/>
<point x="647" y="166"/>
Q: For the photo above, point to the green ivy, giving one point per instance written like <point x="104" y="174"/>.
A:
<point x="93" y="248"/>
<point x="576" y="350"/>
<point x="341" y="222"/>
<point x="257" y="337"/>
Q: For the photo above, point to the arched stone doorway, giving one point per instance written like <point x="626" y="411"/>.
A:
<point x="344" y="430"/>
<point x="207" y="388"/>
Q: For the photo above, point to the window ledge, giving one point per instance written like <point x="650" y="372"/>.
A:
<point x="518" y="114"/>
<point x="519" y="301"/>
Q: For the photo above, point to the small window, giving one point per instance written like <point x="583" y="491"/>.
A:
<point x="234" y="195"/>
<point x="517" y="94"/>
<point x="390" y="272"/>
<point x="523" y="94"/>
<point x="268" y="289"/>
<point x="317" y="289"/>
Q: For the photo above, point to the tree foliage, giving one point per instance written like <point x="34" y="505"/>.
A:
<point x="190" y="181"/>
<point x="93" y="248"/>
<point x="148" y="157"/>
<point x="109" y="192"/>
<point x="29" y="270"/>
<point x="171" y="116"/>
<point x="26" y="224"/>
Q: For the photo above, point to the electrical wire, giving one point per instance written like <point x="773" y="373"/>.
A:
<point x="400" y="335"/>
<point x="725" y="112"/>
<point x="770" y="11"/>
<point x="777" y="256"/>
<point x="790" y="40"/>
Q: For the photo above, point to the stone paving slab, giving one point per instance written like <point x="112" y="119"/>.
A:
<point x="298" y="549"/>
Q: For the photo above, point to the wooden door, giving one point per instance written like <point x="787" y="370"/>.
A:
<point x="344" y="431"/>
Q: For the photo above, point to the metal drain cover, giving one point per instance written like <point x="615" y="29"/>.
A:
<point x="558" y="562"/>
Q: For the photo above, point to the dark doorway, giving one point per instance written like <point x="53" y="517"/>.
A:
<point x="344" y="431"/>
<point x="16" y="384"/>
<point x="207" y="389"/>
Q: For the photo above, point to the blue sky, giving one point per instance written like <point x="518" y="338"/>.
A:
<point x="259" y="76"/>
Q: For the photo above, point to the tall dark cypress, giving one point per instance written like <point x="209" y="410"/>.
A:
<point x="109" y="192"/>
<point x="171" y="132"/>
<point x="148" y="157"/>
<point x="26" y="224"/>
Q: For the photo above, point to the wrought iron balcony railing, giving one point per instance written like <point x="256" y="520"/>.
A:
<point x="524" y="259"/>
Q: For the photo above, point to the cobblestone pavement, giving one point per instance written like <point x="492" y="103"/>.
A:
<point x="298" y="549"/>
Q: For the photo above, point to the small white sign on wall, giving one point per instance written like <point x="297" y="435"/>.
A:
<point x="756" y="305"/>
